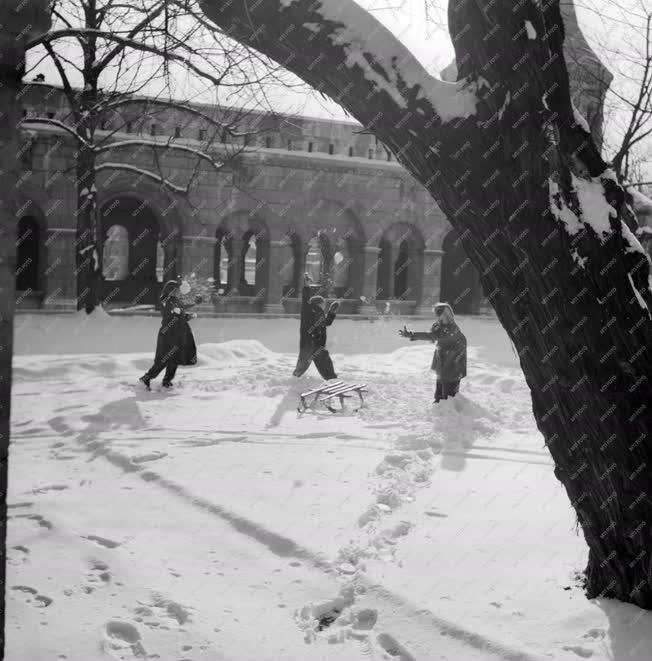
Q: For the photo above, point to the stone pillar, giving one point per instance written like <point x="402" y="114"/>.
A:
<point x="370" y="279"/>
<point x="431" y="282"/>
<point x="59" y="277"/>
<point x="277" y="267"/>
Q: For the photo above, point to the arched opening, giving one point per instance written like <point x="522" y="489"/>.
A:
<point x="249" y="259"/>
<point x="341" y="269"/>
<point x="384" y="274"/>
<point x="28" y="257"/>
<point x="136" y="258"/>
<point x="401" y="271"/>
<point x="252" y="277"/>
<point x="115" y="254"/>
<point x="222" y="257"/>
<point x="318" y="259"/>
<point x="460" y="282"/>
<point x="400" y="265"/>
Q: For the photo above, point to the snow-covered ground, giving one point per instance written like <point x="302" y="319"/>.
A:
<point x="215" y="522"/>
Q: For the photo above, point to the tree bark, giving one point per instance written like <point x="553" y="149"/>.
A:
<point x="19" y="21"/>
<point x="541" y="217"/>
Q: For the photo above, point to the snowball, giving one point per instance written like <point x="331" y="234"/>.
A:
<point x="531" y="32"/>
<point x="184" y="288"/>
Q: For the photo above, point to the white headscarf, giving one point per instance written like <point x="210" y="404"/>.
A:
<point x="447" y="316"/>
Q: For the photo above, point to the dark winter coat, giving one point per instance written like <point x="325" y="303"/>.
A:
<point x="313" y="322"/>
<point x="175" y="343"/>
<point x="449" y="359"/>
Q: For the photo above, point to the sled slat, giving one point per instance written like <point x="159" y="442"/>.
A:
<point x="324" y="388"/>
<point x="358" y="387"/>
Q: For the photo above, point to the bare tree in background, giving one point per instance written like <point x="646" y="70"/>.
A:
<point x="621" y="31"/>
<point x="542" y="217"/>
<point x="20" y="22"/>
<point x="104" y="54"/>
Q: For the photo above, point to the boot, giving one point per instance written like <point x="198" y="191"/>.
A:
<point x="145" y="380"/>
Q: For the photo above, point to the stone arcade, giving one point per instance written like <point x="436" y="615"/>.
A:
<point x="306" y="194"/>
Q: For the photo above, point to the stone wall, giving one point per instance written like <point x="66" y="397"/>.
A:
<point x="329" y="179"/>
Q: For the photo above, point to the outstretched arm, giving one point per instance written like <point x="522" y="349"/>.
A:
<point x="429" y="336"/>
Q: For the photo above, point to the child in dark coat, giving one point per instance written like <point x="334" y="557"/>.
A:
<point x="449" y="360"/>
<point x="312" y="334"/>
<point x="175" y="344"/>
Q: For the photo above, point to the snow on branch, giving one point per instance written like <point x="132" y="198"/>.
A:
<point x="168" y="144"/>
<point x="176" y="105"/>
<point x="368" y="67"/>
<point x="58" y="124"/>
<point x="142" y="173"/>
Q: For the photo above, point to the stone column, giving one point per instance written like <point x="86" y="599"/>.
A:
<point x="277" y="266"/>
<point x="431" y="282"/>
<point x="370" y="279"/>
<point x="59" y="277"/>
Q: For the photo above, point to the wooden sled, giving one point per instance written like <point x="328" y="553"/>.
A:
<point x="333" y="385"/>
<point x="340" y="392"/>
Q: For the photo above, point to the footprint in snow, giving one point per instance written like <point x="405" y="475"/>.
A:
<point x="50" y="487"/>
<point x="582" y="652"/>
<point x="31" y="596"/>
<point x="595" y="634"/>
<point x="97" y="575"/>
<point x="121" y="637"/>
<point x="148" y="456"/>
<point x="393" y="648"/>
<point x="17" y="555"/>
<point x="36" y="518"/>
<point x="102" y="541"/>
<point x="436" y="513"/>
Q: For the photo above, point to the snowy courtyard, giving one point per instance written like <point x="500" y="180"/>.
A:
<point x="214" y="521"/>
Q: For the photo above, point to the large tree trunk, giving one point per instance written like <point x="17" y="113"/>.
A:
<point x="19" y="21"/>
<point x="540" y="216"/>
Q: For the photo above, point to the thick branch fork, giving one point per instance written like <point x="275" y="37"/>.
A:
<point x="512" y="166"/>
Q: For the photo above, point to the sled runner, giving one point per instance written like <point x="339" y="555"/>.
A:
<point x="316" y="392"/>
<point x="341" y="393"/>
